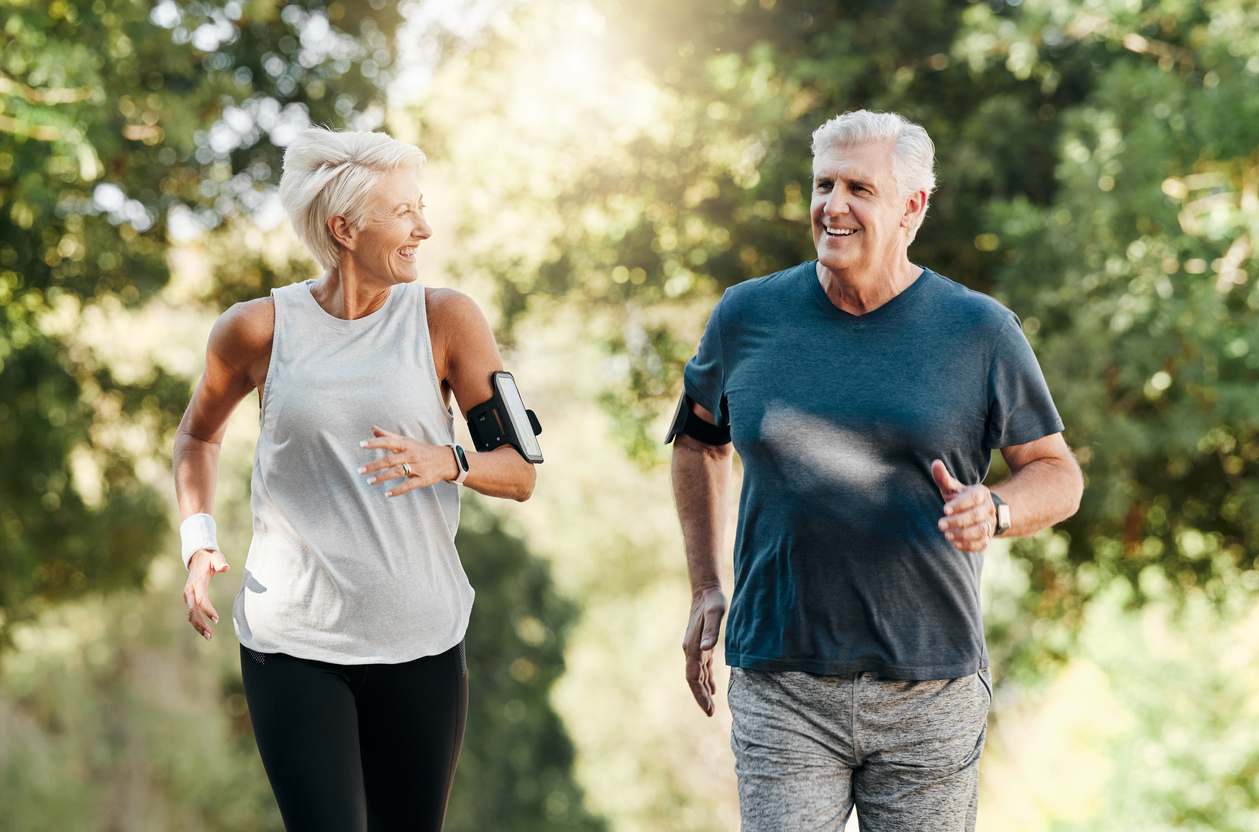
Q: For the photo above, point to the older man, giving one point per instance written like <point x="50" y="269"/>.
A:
<point x="864" y="395"/>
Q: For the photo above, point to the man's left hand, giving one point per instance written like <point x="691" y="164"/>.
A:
<point x="969" y="514"/>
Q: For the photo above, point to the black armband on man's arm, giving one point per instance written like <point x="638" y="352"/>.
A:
<point x="686" y="421"/>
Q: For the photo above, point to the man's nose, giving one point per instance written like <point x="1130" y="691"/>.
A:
<point x="836" y="203"/>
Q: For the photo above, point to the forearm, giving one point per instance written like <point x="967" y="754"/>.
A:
<point x="701" y="488"/>
<point x="502" y="472"/>
<point x="1041" y="493"/>
<point x="196" y="468"/>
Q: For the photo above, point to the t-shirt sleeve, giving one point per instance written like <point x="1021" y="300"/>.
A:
<point x="705" y="374"/>
<point x="1020" y="408"/>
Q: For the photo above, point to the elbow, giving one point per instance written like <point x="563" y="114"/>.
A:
<point x="525" y="489"/>
<point x="1073" y="490"/>
<point x="1077" y="493"/>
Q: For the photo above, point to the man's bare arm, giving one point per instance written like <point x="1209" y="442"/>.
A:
<point x="1044" y="488"/>
<point x="701" y="488"/>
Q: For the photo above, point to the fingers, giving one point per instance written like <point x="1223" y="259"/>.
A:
<point x="378" y="463"/>
<point x="203" y="566"/>
<point x="977" y="497"/>
<point x="970" y="529"/>
<point x="384" y="439"/>
<point x="707" y="611"/>
<point x="699" y="676"/>
<point x="217" y="562"/>
<point x="195" y="600"/>
<point x="410" y="484"/>
<point x="944" y="480"/>
<point x="381" y="473"/>
<point x="969" y="518"/>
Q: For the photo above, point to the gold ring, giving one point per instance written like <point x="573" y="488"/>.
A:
<point x="406" y="469"/>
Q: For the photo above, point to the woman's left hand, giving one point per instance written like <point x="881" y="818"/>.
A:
<point x="428" y="464"/>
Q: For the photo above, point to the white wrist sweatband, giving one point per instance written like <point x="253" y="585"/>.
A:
<point x="197" y="533"/>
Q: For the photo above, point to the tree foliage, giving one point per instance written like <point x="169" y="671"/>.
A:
<point x="1134" y="286"/>
<point x="121" y="124"/>
<point x="515" y="771"/>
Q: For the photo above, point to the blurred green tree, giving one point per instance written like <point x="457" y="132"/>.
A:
<point x="121" y="124"/>
<point x="1136" y="287"/>
<point x="515" y="771"/>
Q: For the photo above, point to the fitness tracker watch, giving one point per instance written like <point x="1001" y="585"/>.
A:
<point x="461" y="461"/>
<point x="1003" y="515"/>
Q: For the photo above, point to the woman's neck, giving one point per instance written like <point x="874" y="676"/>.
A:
<point x="346" y="293"/>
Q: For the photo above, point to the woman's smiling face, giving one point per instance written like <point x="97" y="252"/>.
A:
<point x="393" y="228"/>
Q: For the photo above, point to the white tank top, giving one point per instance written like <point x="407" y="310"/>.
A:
<point x="337" y="571"/>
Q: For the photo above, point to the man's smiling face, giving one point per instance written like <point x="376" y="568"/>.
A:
<point x="859" y="214"/>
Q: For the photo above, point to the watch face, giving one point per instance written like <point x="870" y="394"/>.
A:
<point x="1003" y="517"/>
<point x="462" y="457"/>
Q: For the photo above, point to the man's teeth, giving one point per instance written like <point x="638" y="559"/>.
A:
<point x="841" y="232"/>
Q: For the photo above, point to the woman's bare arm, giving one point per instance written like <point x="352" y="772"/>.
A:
<point x="464" y="355"/>
<point x="237" y="358"/>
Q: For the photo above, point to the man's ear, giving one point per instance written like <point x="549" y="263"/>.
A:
<point x="343" y="231"/>
<point x="915" y="206"/>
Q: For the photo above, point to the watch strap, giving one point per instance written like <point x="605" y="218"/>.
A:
<point x="461" y="462"/>
<point x="1003" y="515"/>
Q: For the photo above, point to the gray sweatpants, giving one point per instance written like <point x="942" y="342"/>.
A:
<point x="807" y="748"/>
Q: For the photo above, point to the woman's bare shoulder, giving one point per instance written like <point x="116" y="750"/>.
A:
<point x="450" y="303"/>
<point x="246" y="328"/>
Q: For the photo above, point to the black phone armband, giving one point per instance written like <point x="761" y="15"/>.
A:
<point x="503" y="420"/>
<point x="685" y="421"/>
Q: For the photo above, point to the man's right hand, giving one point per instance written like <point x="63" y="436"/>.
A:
<point x="708" y="607"/>
<point x="202" y="566"/>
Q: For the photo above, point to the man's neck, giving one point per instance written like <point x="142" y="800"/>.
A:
<point x="859" y="293"/>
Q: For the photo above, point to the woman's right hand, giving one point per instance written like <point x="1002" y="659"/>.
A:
<point x="203" y="566"/>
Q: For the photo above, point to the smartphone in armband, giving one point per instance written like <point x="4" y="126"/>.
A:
<point x="503" y="420"/>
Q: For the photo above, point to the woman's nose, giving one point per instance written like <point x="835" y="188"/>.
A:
<point x="422" y="229"/>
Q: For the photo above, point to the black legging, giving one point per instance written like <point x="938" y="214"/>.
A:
<point x="358" y="748"/>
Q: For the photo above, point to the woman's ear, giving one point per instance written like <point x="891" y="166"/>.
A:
<point x="343" y="231"/>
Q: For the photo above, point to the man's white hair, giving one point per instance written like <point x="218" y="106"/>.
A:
<point x="329" y="173"/>
<point x="913" y="152"/>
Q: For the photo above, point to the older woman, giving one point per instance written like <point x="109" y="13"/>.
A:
<point x="353" y="604"/>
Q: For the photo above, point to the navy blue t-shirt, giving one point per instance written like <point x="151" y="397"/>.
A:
<point x="839" y="564"/>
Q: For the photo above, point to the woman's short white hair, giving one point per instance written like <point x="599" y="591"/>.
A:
<point x="329" y="173"/>
<point x="913" y="152"/>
